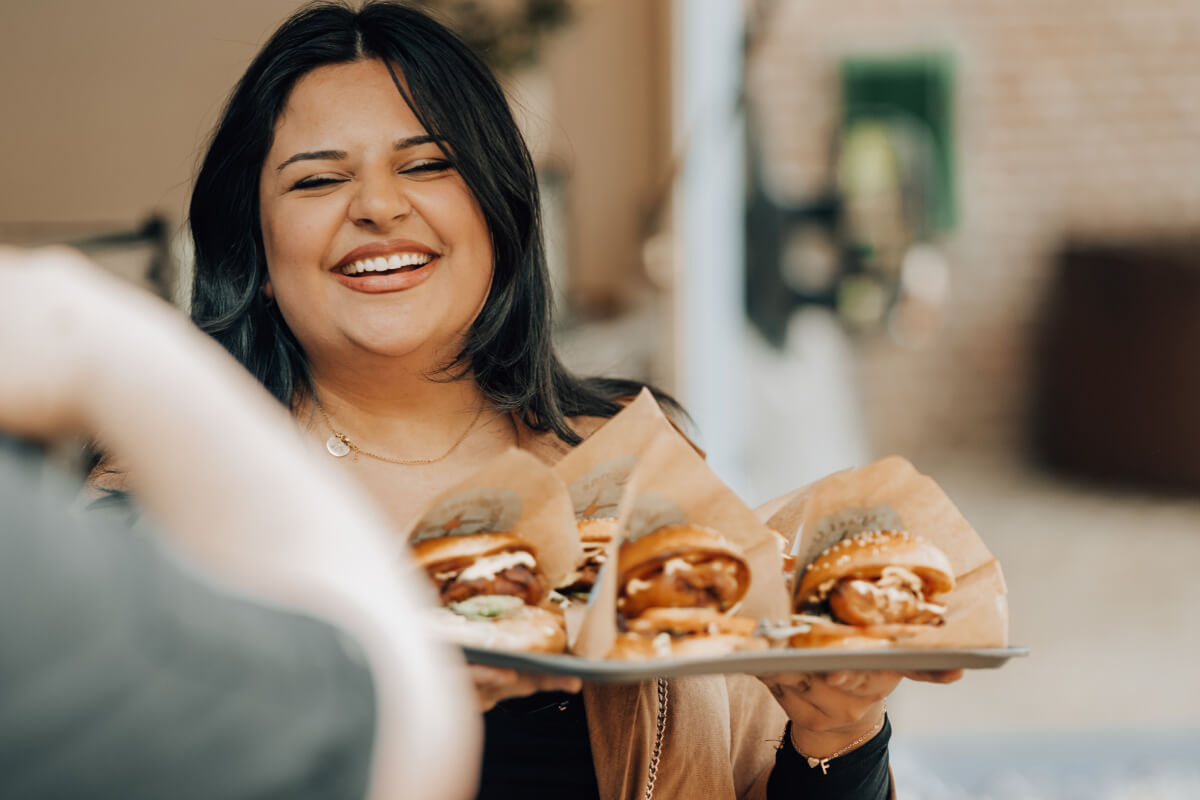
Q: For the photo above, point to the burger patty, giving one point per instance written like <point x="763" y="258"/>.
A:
<point x="585" y="579"/>
<point x="707" y="584"/>
<point x="865" y="602"/>
<point x="518" y="581"/>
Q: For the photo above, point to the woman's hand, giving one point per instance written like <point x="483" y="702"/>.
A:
<point x="493" y="684"/>
<point x="831" y="711"/>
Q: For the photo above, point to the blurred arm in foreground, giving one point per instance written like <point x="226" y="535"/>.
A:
<point x="128" y="675"/>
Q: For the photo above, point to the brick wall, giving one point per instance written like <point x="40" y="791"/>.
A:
<point x="1074" y="118"/>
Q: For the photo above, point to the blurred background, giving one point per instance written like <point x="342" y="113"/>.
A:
<point x="958" y="231"/>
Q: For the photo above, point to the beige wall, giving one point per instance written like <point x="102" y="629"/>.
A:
<point x="611" y="135"/>
<point x="1075" y="118"/>
<point x="107" y="104"/>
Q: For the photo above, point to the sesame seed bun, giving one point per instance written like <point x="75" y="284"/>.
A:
<point x="526" y="629"/>
<point x="813" y="631"/>
<point x="602" y="529"/>
<point x="867" y="554"/>
<point x="685" y="633"/>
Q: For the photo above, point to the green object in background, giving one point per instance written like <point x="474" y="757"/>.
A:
<point x="910" y="90"/>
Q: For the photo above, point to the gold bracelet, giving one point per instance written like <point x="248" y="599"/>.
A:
<point x="823" y="763"/>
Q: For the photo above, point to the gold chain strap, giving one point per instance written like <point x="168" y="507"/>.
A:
<point x="351" y="447"/>
<point x="660" y="729"/>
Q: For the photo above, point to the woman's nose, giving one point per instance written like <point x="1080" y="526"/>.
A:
<point x="379" y="200"/>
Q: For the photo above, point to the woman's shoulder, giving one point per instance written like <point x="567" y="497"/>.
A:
<point x="551" y="448"/>
<point x="547" y="445"/>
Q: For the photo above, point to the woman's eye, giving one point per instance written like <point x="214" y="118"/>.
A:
<point x="314" y="182"/>
<point x="426" y="167"/>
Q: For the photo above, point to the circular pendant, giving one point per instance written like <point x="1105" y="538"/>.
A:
<point x="336" y="447"/>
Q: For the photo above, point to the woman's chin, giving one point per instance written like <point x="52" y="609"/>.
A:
<point x="424" y="353"/>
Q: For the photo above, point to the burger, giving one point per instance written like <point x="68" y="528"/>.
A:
<point x="871" y="588"/>
<point x="681" y="566"/>
<point x="490" y="586"/>
<point x="678" y="587"/>
<point x="595" y="536"/>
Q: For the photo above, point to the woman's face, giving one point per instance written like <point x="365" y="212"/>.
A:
<point x="373" y="240"/>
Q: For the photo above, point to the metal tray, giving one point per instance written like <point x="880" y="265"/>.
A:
<point x="761" y="662"/>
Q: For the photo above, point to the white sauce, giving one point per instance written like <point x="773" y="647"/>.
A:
<point x="488" y="567"/>
<point x="674" y="565"/>
<point x="636" y="585"/>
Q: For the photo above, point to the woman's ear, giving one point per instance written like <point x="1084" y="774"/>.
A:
<point x="268" y="290"/>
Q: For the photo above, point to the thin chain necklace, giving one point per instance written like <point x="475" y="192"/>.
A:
<point x="823" y="763"/>
<point x="339" y="444"/>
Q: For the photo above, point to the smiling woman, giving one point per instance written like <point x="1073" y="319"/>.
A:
<point x="369" y="245"/>
<point x="374" y="243"/>
<point x="445" y="139"/>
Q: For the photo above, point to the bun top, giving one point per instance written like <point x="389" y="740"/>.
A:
<point x="453" y="551"/>
<point x="868" y="553"/>
<point x="601" y="529"/>
<point x="695" y="542"/>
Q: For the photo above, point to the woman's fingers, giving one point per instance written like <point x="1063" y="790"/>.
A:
<point x="873" y="685"/>
<point x="846" y="697"/>
<point x="829" y="701"/>
<point x="493" y="684"/>
<point x="934" y="676"/>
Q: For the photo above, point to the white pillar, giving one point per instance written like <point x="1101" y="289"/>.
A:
<point x="709" y="228"/>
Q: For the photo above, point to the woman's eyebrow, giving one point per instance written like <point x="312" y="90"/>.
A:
<point x="339" y="155"/>
<point x="315" y="155"/>
<point x="413" y="141"/>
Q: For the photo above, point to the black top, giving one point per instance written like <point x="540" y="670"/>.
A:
<point x="125" y="675"/>
<point x="861" y="774"/>
<point x="538" y="746"/>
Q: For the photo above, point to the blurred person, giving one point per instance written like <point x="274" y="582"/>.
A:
<point x="368" y="245"/>
<point x="276" y="652"/>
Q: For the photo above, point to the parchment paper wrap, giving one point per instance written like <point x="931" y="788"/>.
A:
<point x="892" y="494"/>
<point x="598" y="470"/>
<point x="672" y="484"/>
<point x="514" y="492"/>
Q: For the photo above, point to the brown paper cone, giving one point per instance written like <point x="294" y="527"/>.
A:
<point x="888" y="495"/>
<point x="672" y="484"/>
<point x="597" y="471"/>
<point x="513" y="492"/>
<point x="786" y="512"/>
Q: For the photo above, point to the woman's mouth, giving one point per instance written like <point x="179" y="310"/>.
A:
<point x="386" y="265"/>
<point x="395" y="272"/>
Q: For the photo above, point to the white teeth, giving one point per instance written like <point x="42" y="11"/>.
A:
<point x="384" y="263"/>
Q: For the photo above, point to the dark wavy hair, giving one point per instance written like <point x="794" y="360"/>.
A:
<point x="455" y="96"/>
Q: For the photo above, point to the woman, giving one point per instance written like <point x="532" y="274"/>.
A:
<point x="368" y="244"/>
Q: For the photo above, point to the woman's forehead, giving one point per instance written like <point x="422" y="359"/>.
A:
<point x="348" y="100"/>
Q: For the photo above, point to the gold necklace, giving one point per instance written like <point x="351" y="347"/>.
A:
<point x="339" y="444"/>
<point x="823" y="763"/>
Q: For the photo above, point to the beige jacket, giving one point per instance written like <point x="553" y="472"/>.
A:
<point x="719" y="737"/>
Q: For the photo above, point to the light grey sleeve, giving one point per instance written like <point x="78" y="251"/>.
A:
<point x="123" y="675"/>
